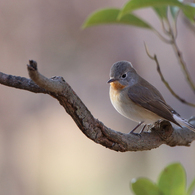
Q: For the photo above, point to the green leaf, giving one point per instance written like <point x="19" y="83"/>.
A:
<point x="191" y="187"/>
<point x="174" y="11"/>
<point x="188" y="10"/>
<point x="144" y="186"/>
<point x="172" y="180"/>
<point x="161" y="11"/>
<point x="110" y="15"/>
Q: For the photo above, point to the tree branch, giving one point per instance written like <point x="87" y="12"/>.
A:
<point x="179" y="55"/>
<point x="20" y="83"/>
<point x="163" y="79"/>
<point x="161" y="133"/>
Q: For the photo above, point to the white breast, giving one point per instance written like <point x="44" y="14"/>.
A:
<point x="123" y="104"/>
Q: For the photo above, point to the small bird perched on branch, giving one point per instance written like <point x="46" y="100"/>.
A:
<point x="136" y="99"/>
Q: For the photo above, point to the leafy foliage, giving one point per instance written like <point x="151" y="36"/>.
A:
<point x="125" y="15"/>
<point x="172" y="180"/>
<point x="110" y="16"/>
<point x="132" y="5"/>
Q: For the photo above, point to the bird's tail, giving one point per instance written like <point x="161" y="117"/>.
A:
<point x="183" y="122"/>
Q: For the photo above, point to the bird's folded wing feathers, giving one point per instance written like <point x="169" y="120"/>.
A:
<point x="147" y="96"/>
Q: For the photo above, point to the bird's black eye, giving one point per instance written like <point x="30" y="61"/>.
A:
<point x="124" y="76"/>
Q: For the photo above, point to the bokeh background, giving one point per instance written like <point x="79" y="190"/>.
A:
<point x="42" y="152"/>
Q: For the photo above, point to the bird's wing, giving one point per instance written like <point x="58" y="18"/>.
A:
<point x="147" y="96"/>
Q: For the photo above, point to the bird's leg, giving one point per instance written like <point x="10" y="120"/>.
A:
<point x="142" y="129"/>
<point x="140" y="123"/>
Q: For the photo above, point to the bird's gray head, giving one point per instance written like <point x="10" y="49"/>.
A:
<point x="124" y="73"/>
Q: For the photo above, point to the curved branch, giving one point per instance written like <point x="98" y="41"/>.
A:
<point x="20" y="83"/>
<point x="161" y="133"/>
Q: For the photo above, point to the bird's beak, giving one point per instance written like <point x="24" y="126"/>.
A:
<point x="112" y="80"/>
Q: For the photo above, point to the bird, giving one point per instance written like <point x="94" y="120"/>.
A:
<point x="136" y="99"/>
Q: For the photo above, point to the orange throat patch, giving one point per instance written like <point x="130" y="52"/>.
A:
<point x="117" y="86"/>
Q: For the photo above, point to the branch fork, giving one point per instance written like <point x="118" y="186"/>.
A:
<point x="162" y="132"/>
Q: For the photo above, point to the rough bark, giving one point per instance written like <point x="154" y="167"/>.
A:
<point x="161" y="132"/>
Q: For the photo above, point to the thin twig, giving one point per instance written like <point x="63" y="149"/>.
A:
<point x="180" y="57"/>
<point x="175" y="25"/>
<point x="164" y="28"/>
<point x="163" y="79"/>
<point x="161" y="37"/>
<point x="172" y="33"/>
<point x="183" y="66"/>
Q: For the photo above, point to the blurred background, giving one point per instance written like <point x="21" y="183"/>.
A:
<point x="42" y="151"/>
